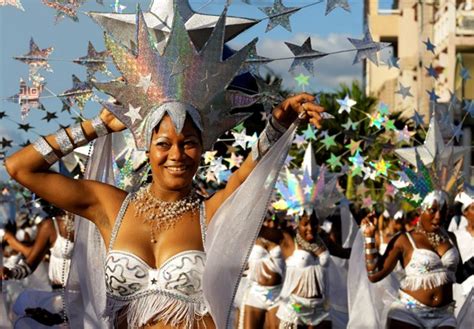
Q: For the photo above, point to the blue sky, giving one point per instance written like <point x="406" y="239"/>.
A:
<point x="69" y="39"/>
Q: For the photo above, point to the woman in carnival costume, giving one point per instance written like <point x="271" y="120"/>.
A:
<point x="463" y="293"/>
<point x="55" y="234"/>
<point x="266" y="270"/>
<point x="428" y="254"/>
<point x="311" y="277"/>
<point x="176" y="105"/>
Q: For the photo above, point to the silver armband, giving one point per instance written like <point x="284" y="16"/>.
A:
<point x="20" y="271"/>
<point x="99" y="126"/>
<point x="369" y="240"/>
<point x="63" y="141"/>
<point x="371" y="262"/>
<point x="371" y="251"/>
<point x="272" y="132"/>
<point x="78" y="137"/>
<point x="42" y="147"/>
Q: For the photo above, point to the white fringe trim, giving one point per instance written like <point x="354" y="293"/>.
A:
<point x="156" y="307"/>
<point x="427" y="280"/>
<point x="303" y="281"/>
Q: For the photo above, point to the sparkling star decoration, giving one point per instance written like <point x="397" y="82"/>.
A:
<point x="145" y="82"/>
<point x="36" y="59"/>
<point x="309" y="133"/>
<point x="429" y="46"/>
<point x="404" y="91"/>
<point x="333" y="4"/>
<point x="234" y="160"/>
<point x="329" y="141"/>
<point x="278" y="14"/>
<point x="357" y="160"/>
<point x="95" y="61"/>
<point x="304" y="56"/>
<point x="349" y="125"/>
<point x="299" y="140"/>
<point x="133" y="113"/>
<point x="383" y="109"/>
<point x="376" y="120"/>
<point x="389" y="125"/>
<point x="433" y="149"/>
<point x="369" y="173"/>
<point x="433" y="96"/>
<point x="334" y="161"/>
<point x="368" y="202"/>
<point x="404" y="135"/>
<point x="302" y="80"/>
<point x="354" y="146"/>
<point x="367" y="48"/>
<point x="209" y="156"/>
<point x="381" y="167"/>
<point x="240" y="139"/>
<point x="431" y="71"/>
<point x="345" y="104"/>
<point x="417" y="118"/>
<point x="117" y="7"/>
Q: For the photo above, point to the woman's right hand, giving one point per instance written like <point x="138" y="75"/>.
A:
<point x="113" y="124"/>
<point x="368" y="224"/>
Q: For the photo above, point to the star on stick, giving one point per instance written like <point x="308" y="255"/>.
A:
<point x="346" y="104"/>
<point x="367" y="48"/>
<point x="304" y="55"/>
<point x="278" y="14"/>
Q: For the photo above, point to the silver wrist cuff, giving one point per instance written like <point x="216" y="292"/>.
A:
<point x="375" y="271"/>
<point x="269" y="136"/>
<point x="369" y="240"/>
<point x="42" y="147"/>
<point x="63" y="141"/>
<point x="20" y="271"/>
<point x="99" y="126"/>
<point x="371" y="251"/>
<point x="371" y="262"/>
<point x="78" y="137"/>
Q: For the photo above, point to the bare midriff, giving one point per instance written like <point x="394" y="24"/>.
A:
<point x="435" y="297"/>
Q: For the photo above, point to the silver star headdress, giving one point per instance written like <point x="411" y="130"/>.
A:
<point x="180" y="81"/>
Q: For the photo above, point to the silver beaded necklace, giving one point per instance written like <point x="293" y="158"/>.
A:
<point x="434" y="238"/>
<point x="314" y="247"/>
<point x="163" y="215"/>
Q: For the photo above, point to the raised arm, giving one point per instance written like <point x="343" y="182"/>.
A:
<point x="380" y="266"/>
<point x="282" y="117"/>
<point x="89" y="199"/>
<point x="16" y="245"/>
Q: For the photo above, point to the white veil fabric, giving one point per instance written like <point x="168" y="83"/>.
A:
<point x="234" y="229"/>
<point x="87" y="264"/>
<point x="369" y="302"/>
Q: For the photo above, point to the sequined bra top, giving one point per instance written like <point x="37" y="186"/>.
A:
<point x="427" y="270"/>
<point x="172" y="293"/>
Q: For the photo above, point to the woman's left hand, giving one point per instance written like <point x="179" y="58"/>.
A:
<point x="290" y="109"/>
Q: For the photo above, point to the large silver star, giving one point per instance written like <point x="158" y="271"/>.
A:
<point x="433" y="149"/>
<point x="159" y="19"/>
<point x="367" y="48"/>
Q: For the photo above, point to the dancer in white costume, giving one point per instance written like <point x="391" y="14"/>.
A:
<point x="432" y="264"/>
<point x="465" y="239"/>
<point x="155" y="262"/>
<point x="265" y="274"/>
